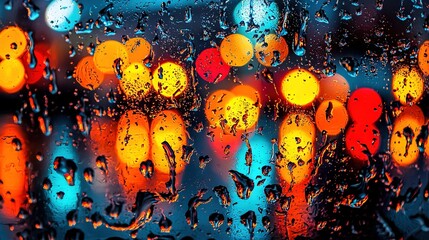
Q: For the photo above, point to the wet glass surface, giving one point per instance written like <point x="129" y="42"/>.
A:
<point x="192" y="119"/>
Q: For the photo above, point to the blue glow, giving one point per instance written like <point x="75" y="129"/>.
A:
<point x="62" y="15"/>
<point x="60" y="207"/>
<point x="265" y="15"/>
<point x="261" y="150"/>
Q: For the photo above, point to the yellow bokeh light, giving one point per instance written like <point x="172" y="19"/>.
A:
<point x="216" y="106"/>
<point x="300" y="87"/>
<point x="107" y="52"/>
<point x="335" y="87"/>
<point x="272" y="51"/>
<point x="167" y="126"/>
<point x="12" y="74"/>
<point x="423" y="58"/>
<point x="138" y="49"/>
<point x="136" y="81"/>
<point x="296" y="144"/>
<point x="331" y="116"/>
<point x="13" y="42"/>
<point x="236" y="50"/>
<point x="242" y="109"/>
<point x="403" y="153"/>
<point x="170" y="79"/>
<point x="407" y="83"/>
<point x="87" y="75"/>
<point x="132" y="140"/>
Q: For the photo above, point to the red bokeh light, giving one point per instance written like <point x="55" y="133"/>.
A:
<point x="210" y="66"/>
<point x="365" y="106"/>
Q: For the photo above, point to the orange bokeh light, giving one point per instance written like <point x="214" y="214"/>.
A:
<point x="12" y="169"/>
<point x="132" y="141"/>
<point x="107" y="52"/>
<point x="335" y="87"/>
<point x="216" y="105"/>
<point x="167" y="126"/>
<point x="423" y="57"/>
<point x="410" y="120"/>
<point x="13" y="42"/>
<point x="87" y="75"/>
<point x="272" y="51"/>
<point x="236" y="50"/>
<point x="332" y="117"/>
<point x="138" y="49"/>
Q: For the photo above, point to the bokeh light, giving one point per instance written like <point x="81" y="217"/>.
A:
<point x="132" y="141"/>
<point x="331" y="116"/>
<point x="362" y="140"/>
<point x="297" y="136"/>
<point x="216" y="106"/>
<point x="168" y="126"/>
<point x="36" y="73"/>
<point x="62" y="15"/>
<point x="335" y="87"/>
<point x="107" y="52"/>
<point x="365" y="105"/>
<point x="242" y="112"/>
<point x="210" y="65"/>
<point x="87" y="75"/>
<point x="423" y="57"/>
<point x="407" y="85"/>
<point x="13" y="42"/>
<point x="271" y="51"/>
<point x="236" y="50"/>
<point x="293" y="84"/>
<point x="12" y="74"/>
<point x="12" y="169"/>
<point x="170" y="79"/>
<point x="138" y="50"/>
<point x="256" y="16"/>
<point x="136" y="81"/>
<point x="406" y="128"/>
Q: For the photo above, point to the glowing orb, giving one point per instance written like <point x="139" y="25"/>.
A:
<point x="362" y="139"/>
<point x="216" y="106"/>
<point x="332" y="117"/>
<point x="170" y="79"/>
<point x="423" y="58"/>
<point x="62" y="15"/>
<point x="296" y="144"/>
<point x="335" y="87"/>
<point x="136" y="81"/>
<point x="407" y="85"/>
<point x="248" y="91"/>
<point x="264" y="14"/>
<point x="138" y="49"/>
<point x="300" y="87"/>
<point x="210" y="66"/>
<point x="12" y="74"/>
<point x="272" y="51"/>
<point x="406" y="128"/>
<point x="12" y="167"/>
<point x="87" y="75"/>
<point x="241" y="110"/>
<point x="167" y="126"/>
<point x="132" y="141"/>
<point x="365" y="105"/>
<point x="13" y="42"/>
<point x="107" y="52"/>
<point x="236" y="50"/>
<point x="36" y="73"/>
